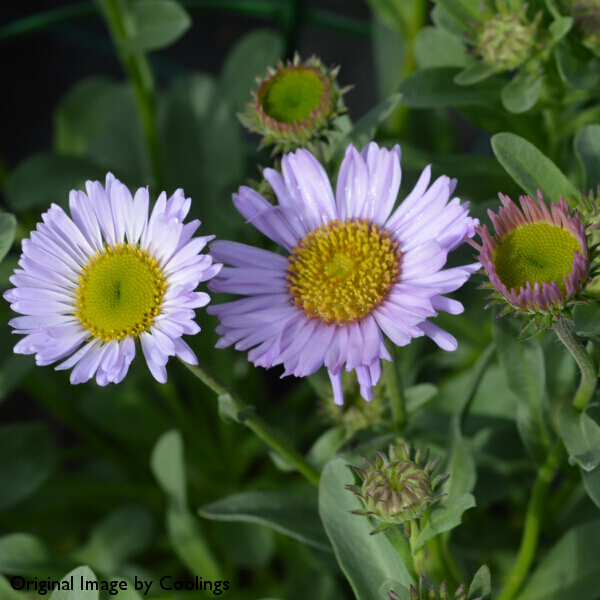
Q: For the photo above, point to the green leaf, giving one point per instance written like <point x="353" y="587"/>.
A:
<point x="531" y="169"/>
<point x="435" y="88"/>
<point x="22" y="553"/>
<point x="365" y="559"/>
<point x="189" y="543"/>
<point x="581" y="435"/>
<point x="47" y="177"/>
<point x="168" y="466"/>
<point x="444" y="20"/>
<point x="118" y="536"/>
<point x="591" y="483"/>
<point x="248" y="59"/>
<point x="569" y="569"/>
<point x="559" y="28"/>
<point x="229" y="412"/>
<point x="444" y="516"/>
<point x="435" y="47"/>
<point x="192" y="115"/>
<point x="587" y="150"/>
<point x="247" y="544"/>
<point x="460" y="464"/>
<point x="83" y="112"/>
<point x="417" y="396"/>
<point x="575" y="66"/>
<point x="8" y="226"/>
<point x="474" y="74"/>
<point x="77" y="575"/>
<point x="481" y="586"/>
<point x="463" y="12"/>
<point x="290" y="514"/>
<point x="7" y="592"/>
<point x="27" y="458"/>
<point x="522" y="93"/>
<point x="325" y="447"/>
<point x="156" y="24"/>
<point x="587" y="319"/>
<point x="524" y="368"/>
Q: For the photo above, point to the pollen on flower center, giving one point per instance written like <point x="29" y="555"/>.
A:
<point x="120" y="292"/>
<point x="342" y="271"/>
<point x="536" y="252"/>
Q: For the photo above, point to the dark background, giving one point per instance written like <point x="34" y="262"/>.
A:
<point x="41" y="65"/>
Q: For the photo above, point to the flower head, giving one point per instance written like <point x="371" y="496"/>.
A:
<point x="91" y="285"/>
<point x="506" y="39"/>
<point x="354" y="267"/>
<point x="538" y="260"/>
<point x="295" y="105"/>
<point x="396" y="489"/>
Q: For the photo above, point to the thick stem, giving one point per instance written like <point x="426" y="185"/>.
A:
<point x="533" y="521"/>
<point x="586" y="366"/>
<point x="255" y="423"/>
<point x="142" y="82"/>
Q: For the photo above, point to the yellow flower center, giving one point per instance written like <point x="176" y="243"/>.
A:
<point x="342" y="271"/>
<point x="120" y="292"/>
<point x="538" y="253"/>
<point x="292" y="94"/>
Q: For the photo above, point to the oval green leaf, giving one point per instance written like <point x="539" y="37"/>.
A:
<point x="366" y="560"/>
<point x="291" y="514"/>
<point x="530" y="168"/>
<point x="156" y="24"/>
<point x="587" y="150"/>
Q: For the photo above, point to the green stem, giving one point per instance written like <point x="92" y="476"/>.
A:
<point x="393" y="383"/>
<point x="588" y="372"/>
<point x="533" y="520"/>
<point x="396" y="537"/>
<point x="255" y="423"/>
<point x="142" y="81"/>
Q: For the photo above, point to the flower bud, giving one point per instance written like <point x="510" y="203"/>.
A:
<point x="396" y="489"/>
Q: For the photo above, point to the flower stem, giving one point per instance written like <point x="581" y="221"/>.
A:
<point x="142" y="82"/>
<point x="395" y="535"/>
<point x="586" y="366"/>
<point x="533" y="521"/>
<point x="395" y="392"/>
<point x="255" y="423"/>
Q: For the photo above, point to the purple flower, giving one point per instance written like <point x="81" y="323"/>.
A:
<point x="355" y="267"/>
<point x="91" y="285"/>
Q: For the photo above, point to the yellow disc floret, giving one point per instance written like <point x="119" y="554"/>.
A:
<point x="538" y="253"/>
<point x="342" y="271"/>
<point x="120" y="292"/>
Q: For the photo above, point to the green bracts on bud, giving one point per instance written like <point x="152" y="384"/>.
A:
<point x="396" y="489"/>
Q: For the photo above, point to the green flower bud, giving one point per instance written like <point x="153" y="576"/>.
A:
<point x="295" y="105"/>
<point x="396" y="489"/>
<point x="506" y="40"/>
<point x="428" y="592"/>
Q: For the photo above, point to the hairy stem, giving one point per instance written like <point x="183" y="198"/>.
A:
<point x="255" y="423"/>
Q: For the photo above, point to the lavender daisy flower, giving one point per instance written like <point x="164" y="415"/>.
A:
<point x="91" y="285"/>
<point x="353" y="269"/>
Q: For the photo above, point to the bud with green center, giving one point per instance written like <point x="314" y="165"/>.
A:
<point x="295" y="105"/>
<point x="538" y="261"/>
<point x="396" y="489"/>
<point x="505" y="40"/>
